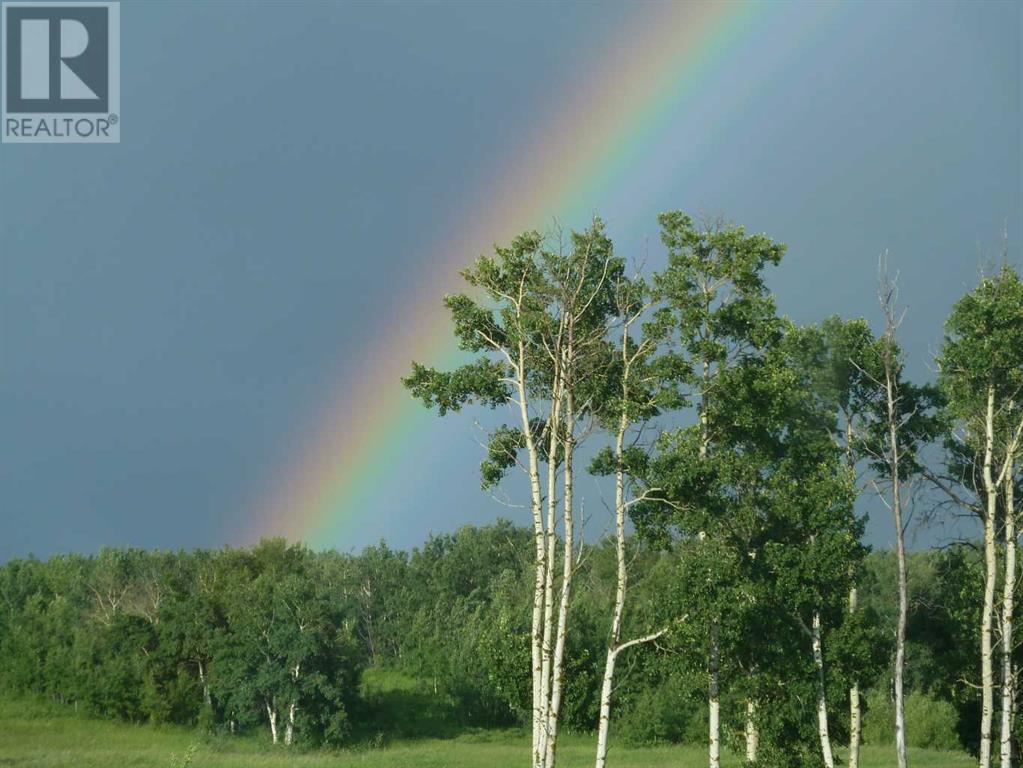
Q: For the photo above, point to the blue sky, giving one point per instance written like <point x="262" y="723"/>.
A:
<point x="176" y="309"/>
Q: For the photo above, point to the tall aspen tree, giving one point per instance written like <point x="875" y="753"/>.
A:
<point x="539" y="332"/>
<point x="981" y="374"/>
<point x="718" y="312"/>
<point x="639" y="389"/>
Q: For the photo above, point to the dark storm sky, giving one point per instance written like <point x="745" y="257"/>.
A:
<point x="175" y="308"/>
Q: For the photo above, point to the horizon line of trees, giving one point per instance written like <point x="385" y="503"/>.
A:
<point x="210" y="638"/>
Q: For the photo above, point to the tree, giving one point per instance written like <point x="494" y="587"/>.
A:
<point x="640" y="389"/>
<point x="380" y="596"/>
<point x="191" y="619"/>
<point x="901" y="421"/>
<point x="540" y="337"/>
<point x="285" y="654"/>
<point x="717" y="314"/>
<point x="825" y="399"/>
<point x="840" y="358"/>
<point x="981" y="374"/>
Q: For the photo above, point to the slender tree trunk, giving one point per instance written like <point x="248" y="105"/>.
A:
<point x="367" y="592"/>
<point x="603" y="724"/>
<point x="900" y="553"/>
<point x="614" y="641"/>
<point x="855" y="716"/>
<point x="752" y="732"/>
<point x="536" y="644"/>
<point x="713" y="691"/>
<point x="547" y="639"/>
<point x="621" y="585"/>
<point x="207" y="699"/>
<point x="567" y="574"/>
<point x="540" y="556"/>
<point x="1008" y="600"/>
<point x="547" y="634"/>
<point x="990" y="575"/>
<point x="900" y="646"/>
<point x="855" y="712"/>
<point x="550" y="540"/>
<point x="1008" y="596"/>
<point x="289" y="729"/>
<point x="714" y="699"/>
<point x="271" y="713"/>
<point x="822" y="699"/>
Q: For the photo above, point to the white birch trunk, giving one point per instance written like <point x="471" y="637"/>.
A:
<point x="713" y="692"/>
<point x="271" y="713"/>
<point x="1008" y="599"/>
<point x="900" y="652"/>
<point x="614" y="641"/>
<point x="822" y="698"/>
<point x="990" y="575"/>
<point x="714" y="701"/>
<point x="536" y="649"/>
<point x="855" y="713"/>
<point x="540" y="552"/>
<point x="900" y="552"/>
<point x="289" y="729"/>
<point x="550" y="542"/>
<point x="604" y="723"/>
<point x="606" y="690"/>
<point x="207" y="699"/>
<point x="546" y="643"/>
<point x="567" y="574"/>
<point x="752" y="732"/>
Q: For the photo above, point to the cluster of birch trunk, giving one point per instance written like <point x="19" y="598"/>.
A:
<point x="578" y="349"/>
<point x="981" y="374"/>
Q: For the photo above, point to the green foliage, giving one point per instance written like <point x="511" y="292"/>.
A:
<point x="502" y="454"/>
<point x="527" y="291"/>
<point x="447" y="625"/>
<point x="481" y="381"/>
<point x="930" y="723"/>
<point x="981" y="364"/>
<point x="983" y="344"/>
<point x="667" y="713"/>
<point x="206" y="637"/>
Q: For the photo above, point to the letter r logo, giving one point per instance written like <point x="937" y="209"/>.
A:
<point x="56" y="58"/>
<point x="36" y="62"/>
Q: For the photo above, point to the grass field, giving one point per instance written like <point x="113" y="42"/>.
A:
<point x="37" y="736"/>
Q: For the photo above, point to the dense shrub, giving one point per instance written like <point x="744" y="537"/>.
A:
<point x="930" y="723"/>
<point x="664" y="714"/>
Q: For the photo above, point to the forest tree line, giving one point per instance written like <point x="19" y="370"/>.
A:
<point x="734" y="601"/>
<point x="211" y="639"/>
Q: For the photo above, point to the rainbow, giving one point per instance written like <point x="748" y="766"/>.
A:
<point x="598" y="130"/>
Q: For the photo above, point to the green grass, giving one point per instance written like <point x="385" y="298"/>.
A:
<point x="33" y="735"/>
